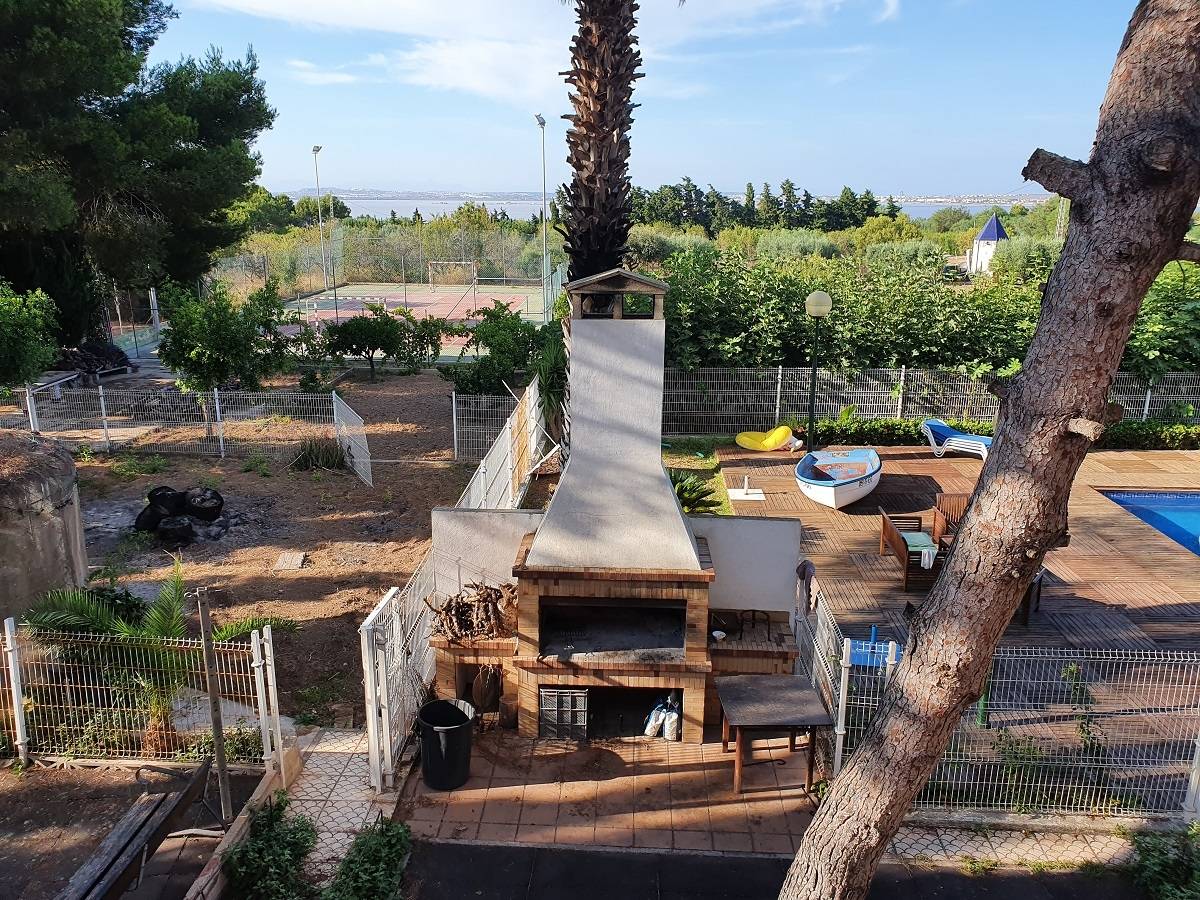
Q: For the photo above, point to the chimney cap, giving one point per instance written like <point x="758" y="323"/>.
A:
<point x="617" y="281"/>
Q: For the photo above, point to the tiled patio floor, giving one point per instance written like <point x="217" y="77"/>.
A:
<point x="651" y="794"/>
<point x="621" y="793"/>
<point x="334" y="792"/>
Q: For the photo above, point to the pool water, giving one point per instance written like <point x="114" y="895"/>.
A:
<point x="1175" y="513"/>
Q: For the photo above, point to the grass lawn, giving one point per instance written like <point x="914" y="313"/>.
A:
<point x="698" y="454"/>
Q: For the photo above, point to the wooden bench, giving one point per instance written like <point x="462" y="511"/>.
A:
<point x="891" y="540"/>
<point x="113" y="865"/>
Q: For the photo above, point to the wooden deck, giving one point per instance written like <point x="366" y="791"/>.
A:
<point x="1119" y="585"/>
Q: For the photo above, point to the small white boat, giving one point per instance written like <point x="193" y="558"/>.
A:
<point x="836" y="478"/>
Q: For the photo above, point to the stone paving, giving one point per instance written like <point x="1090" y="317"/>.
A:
<point x="653" y="795"/>
<point x="333" y="790"/>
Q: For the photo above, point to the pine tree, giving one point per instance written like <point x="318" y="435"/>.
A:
<point x="769" y="210"/>
<point x="789" y="205"/>
<point x="748" y="206"/>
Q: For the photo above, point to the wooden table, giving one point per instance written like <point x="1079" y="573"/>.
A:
<point x="769" y="703"/>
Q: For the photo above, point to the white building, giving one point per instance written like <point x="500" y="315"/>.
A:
<point x="979" y="257"/>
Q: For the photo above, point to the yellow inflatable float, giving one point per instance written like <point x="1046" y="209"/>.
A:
<point x="775" y="439"/>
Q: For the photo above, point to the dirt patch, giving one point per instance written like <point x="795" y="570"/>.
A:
<point x="52" y="819"/>
<point x="359" y="540"/>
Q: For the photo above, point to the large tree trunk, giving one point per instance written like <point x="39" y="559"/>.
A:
<point x="1131" y="205"/>
<point x="604" y="67"/>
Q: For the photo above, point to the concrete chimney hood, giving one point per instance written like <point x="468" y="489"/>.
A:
<point x="614" y="507"/>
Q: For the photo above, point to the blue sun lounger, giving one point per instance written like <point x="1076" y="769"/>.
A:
<point x="942" y="438"/>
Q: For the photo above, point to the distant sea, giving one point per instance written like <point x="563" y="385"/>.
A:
<point x="523" y="209"/>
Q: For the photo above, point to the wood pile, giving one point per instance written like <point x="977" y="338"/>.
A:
<point x="91" y="357"/>
<point x="477" y="612"/>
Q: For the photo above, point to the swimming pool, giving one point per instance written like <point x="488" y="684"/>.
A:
<point x="1175" y="513"/>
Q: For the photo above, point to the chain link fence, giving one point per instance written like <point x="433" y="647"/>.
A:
<point x="1096" y="732"/>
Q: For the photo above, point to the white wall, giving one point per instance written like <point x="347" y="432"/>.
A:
<point x="755" y="559"/>
<point x="475" y="544"/>
<point x="979" y="259"/>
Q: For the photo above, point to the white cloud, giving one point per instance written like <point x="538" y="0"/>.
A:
<point x="516" y="72"/>
<point x="891" y="9"/>
<point x="512" y="51"/>
<point x="309" y="73"/>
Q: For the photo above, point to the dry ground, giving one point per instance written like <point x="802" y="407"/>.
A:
<point x="52" y="819"/>
<point x="359" y="541"/>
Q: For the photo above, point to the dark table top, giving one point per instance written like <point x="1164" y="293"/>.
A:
<point x="771" y="701"/>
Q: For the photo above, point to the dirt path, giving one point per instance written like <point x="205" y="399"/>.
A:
<point x="359" y="541"/>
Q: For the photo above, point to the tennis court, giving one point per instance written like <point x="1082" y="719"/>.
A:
<point x="453" y="302"/>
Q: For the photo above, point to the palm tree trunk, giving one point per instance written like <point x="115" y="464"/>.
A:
<point x="1130" y="208"/>
<point x="604" y="67"/>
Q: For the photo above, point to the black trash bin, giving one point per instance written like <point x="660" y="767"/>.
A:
<point x="446" y="727"/>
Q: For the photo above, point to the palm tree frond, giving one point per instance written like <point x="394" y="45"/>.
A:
<point x="165" y="617"/>
<point x="71" y="609"/>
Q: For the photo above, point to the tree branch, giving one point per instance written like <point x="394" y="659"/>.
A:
<point x="1190" y="251"/>
<point x="1063" y="176"/>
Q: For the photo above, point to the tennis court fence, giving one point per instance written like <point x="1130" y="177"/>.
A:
<point x="717" y="401"/>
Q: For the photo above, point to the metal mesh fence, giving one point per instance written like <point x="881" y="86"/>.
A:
<point x="726" y="401"/>
<point x="1057" y="730"/>
<point x="478" y="421"/>
<point x="104" y="697"/>
<point x="398" y="663"/>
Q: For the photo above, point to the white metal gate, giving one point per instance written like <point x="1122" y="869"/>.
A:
<point x="348" y="425"/>
<point x="398" y="667"/>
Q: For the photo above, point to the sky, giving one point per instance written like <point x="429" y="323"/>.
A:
<point x="902" y="96"/>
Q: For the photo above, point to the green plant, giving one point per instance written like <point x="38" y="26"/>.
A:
<point x="319" y="453"/>
<point x="217" y="340"/>
<point x="374" y="865"/>
<point x="243" y="744"/>
<point x="975" y="866"/>
<point x="129" y="466"/>
<point x="378" y="334"/>
<point x="1167" y="865"/>
<point x="266" y="864"/>
<point x="1021" y="761"/>
<point x="212" y="482"/>
<point x="27" y="328"/>
<point x="696" y="495"/>
<point x="84" y="453"/>
<point x="240" y="628"/>
<point x="161" y="669"/>
<point x="257" y="462"/>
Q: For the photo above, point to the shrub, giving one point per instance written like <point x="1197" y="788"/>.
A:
<point x="848" y="429"/>
<point x="1168" y="865"/>
<point x="795" y="243"/>
<point x="243" y="744"/>
<point x="240" y="628"/>
<point x="374" y="866"/>
<point x="695" y="494"/>
<point x="265" y="865"/>
<point x="921" y="253"/>
<point x="129" y="466"/>
<point x="377" y="334"/>
<point x="319" y="453"/>
<point x="27" y="335"/>
<point x="257" y="462"/>
<point x="1151" y="435"/>
<point x="652" y="244"/>
<point x="1025" y="258"/>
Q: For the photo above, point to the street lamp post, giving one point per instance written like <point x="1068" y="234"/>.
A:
<point x="818" y="305"/>
<point x="546" y="299"/>
<point x="320" y="219"/>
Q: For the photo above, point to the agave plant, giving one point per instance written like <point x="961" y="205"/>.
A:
<point x="147" y="667"/>
<point x="695" y="494"/>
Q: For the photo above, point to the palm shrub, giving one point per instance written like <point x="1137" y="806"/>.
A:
<point x="146" y="668"/>
<point x="695" y="494"/>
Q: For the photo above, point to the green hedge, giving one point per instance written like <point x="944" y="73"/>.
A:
<point x="1129" y="435"/>
<point x="1150" y="436"/>
<point x="878" y="432"/>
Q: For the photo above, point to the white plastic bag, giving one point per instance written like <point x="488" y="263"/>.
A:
<point x="654" y="721"/>
<point x="671" y="723"/>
